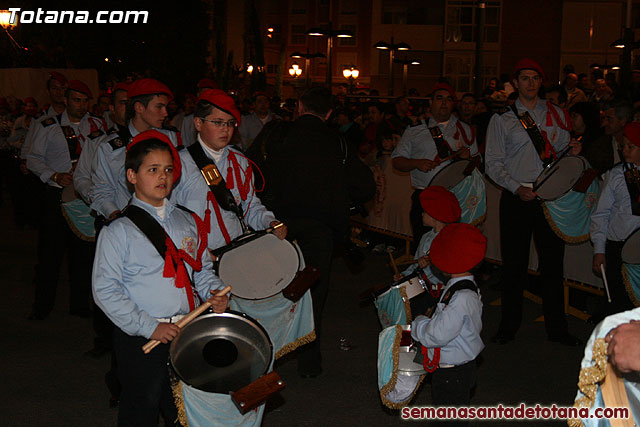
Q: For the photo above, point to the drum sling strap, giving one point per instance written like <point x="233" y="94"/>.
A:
<point x="174" y="258"/>
<point x="222" y="196"/>
<point x="529" y="125"/>
<point x="441" y="144"/>
<point x="72" y="140"/>
<point x="632" y="179"/>
<point x="422" y="356"/>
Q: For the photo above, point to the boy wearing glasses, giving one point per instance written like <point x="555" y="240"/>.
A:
<point x="216" y="119"/>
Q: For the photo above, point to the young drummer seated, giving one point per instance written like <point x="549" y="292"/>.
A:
<point x="144" y="293"/>
<point x="451" y="335"/>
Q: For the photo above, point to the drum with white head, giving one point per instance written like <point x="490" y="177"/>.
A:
<point x="559" y="177"/>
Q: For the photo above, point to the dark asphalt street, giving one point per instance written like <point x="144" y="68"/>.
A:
<point x="47" y="381"/>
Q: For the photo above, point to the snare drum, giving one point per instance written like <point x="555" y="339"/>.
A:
<point x="257" y="265"/>
<point x="559" y="177"/>
<point x="221" y="352"/>
<point x="398" y="375"/>
<point x="464" y="180"/>
<point x="451" y="175"/>
<point x="395" y="305"/>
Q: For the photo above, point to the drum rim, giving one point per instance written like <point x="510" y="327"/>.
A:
<point x="219" y="261"/>
<point x="632" y="235"/>
<point x="440" y="171"/>
<point x="558" y="162"/>
<point x="227" y="314"/>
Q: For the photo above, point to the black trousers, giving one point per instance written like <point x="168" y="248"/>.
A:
<point x="452" y="387"/>
<point x="54" y="239"/>
<point x="316" y="242"/>
<point x="518" y="220"/>
<point x="620" y="300"/>
<point x="145" y="383"/>
<point x="415" y="217"/>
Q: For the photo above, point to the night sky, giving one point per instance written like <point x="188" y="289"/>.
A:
<point x="170" y="47"/>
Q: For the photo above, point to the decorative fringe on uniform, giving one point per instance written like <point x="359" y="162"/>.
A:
<point x="176" y="388"/>
<point x="394" y="378"/>
<point x="75" y="229"/>
<point x="478" y="221"/>
<point x="559" y="233"/>
<point x="628" y="287"/>
<point x="407" y="304"/>
<point x="311" y="336"/>
<point x="590" y="378"/>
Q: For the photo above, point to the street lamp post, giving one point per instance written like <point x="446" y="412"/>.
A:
<point x="351" y="74"/>
<point x="391" y="47"/>
<point x="405" y="71"/>
<point x="330" y="34"/>
<point x="307" y="60"/>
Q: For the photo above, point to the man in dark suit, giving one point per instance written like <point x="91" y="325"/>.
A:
<point x="310" y="192"/>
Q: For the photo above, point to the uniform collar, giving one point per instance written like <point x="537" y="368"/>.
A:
<point x="540" y="105"/>
<point x="451" y="122"/>
<point x="152" y="209"/>
<point x="455" y="280"/>
<point x="64" y="119"/>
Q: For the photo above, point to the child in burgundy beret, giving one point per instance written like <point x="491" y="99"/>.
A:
<point x="450" y="337"/>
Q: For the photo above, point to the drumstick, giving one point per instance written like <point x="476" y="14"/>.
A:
<point x="151" y="344"/>
<point x="275" y="227"/>
<point x="606" y="285"/>
<point x="393" y="262"/>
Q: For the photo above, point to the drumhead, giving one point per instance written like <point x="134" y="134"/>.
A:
<point x="406" y="366"/>
<point x="451" y="175"/>
<point x="260" y="268"/>
<point x="631" y="249"/>
<point x="560" y="176"/>
<point x="221" y="352"/>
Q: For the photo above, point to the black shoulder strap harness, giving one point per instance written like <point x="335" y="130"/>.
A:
<point x="458" y="286"/>
<point x="71" y="137"/>
<point x="441" y="144"/>
<point x="123" y="139"/>
<point x="217" y="185"/>
<point x="632" y="179"/>
<point x="529" y="125"/>
<point x="420" y="357"/>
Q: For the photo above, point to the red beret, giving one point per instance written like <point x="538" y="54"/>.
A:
<point x="458" y="248"/>
<point x="440" y="203"/>
<point x="148" y="87"/>
<point x="120" y="86"/>
<point x="81" y="87"/>
<point x="222" y="101"/>
<point x="54" y="75"/>
<point x="447" y="87"/>
<point x="207" y="84"/>
<point x="529" y="64"/>
<point x="30" y="100"/>
<point x="154" y="134"/>
<point x="632" y="132"/>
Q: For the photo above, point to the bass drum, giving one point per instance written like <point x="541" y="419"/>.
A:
<point x="221" y="352"/>
<point x="257" y="265"/>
